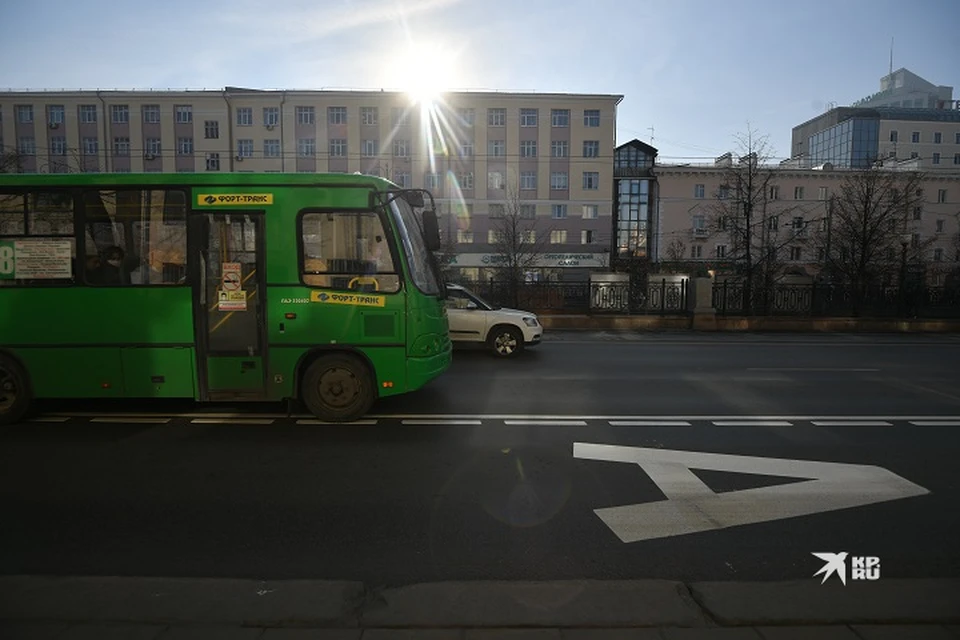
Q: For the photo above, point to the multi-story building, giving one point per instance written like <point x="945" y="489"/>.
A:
<point x="797" y="210"/>
<point x="550" y="156"/>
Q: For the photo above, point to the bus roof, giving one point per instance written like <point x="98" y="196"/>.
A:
<point x="190" y="179"/>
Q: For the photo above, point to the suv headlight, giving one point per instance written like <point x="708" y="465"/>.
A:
<point x="530" y="322"/>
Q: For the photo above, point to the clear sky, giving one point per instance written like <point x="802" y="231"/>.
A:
<point x="696" y="71"/>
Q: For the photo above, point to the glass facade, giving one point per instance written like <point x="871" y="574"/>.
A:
<point x="631" y="158"/>
<point x="854" y="143"/>
<point x="633" y="217"/>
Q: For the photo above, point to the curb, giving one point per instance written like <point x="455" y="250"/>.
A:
<point x="494" y="604"/>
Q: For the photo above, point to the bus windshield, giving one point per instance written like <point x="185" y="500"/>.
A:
<point x="422" y="268"/>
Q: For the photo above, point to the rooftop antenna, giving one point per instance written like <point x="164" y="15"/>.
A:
<point x="650" y="129"/>
<point x="891" y="55"/>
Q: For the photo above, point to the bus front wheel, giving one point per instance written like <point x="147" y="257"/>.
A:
<point x="15" y="393"/>
<point x="338" y="388"/>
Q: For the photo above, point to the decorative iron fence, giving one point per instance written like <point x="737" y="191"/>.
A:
<point x="656" y="297"/>
<point x="823" y="300"/>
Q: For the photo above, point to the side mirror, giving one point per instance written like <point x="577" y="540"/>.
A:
<point x="472" y="306"/>
<point x="431" y="230"/>
<point x="414" y="199"/>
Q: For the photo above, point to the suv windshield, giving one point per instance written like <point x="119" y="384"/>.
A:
<point x="484" y="304"/>
<point x="422" y="268"/>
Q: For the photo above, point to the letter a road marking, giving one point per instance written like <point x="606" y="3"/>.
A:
<point x="692" y="507"/>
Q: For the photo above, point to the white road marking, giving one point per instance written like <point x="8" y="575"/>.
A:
<point x="442" y="423"/>
<point x="545" y="423"/>
<point x="229" y="421"/>
<point x="49" y="419"/>
<point x="132" y="420"/>
<point x="810" y="369"/>
<point x="934" y="423"/>
<point x="752" y="423"/>
<point x="851" y="423"/>
<point x="649" y="423"/>
<point x="334" y="424"/>
<point x="693" y="507"/>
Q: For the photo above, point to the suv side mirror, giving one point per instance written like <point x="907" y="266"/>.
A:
<point x="471" y="305"/>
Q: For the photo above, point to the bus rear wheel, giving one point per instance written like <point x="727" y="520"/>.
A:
<point x="338" y="388"/>
<point x="15" y="396"/>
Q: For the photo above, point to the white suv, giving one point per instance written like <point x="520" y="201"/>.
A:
<point x="505" y="331"/>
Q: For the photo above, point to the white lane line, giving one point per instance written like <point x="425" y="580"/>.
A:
<point x="49" y="419"/>
<point x="341" y="424"/>
<point x="228" y="421"/>
<point x="809" y="369"/>
<point x="649" y="423"/>
<point x="545" y="423"/>
<point x="851" y="423"/>
<point x="442" y="423"/>
<point x="934" y="423"/>
<point x="752" y="423"/>
<point x="132" y="420"/>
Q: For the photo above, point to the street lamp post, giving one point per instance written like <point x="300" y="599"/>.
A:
<point x="905" y="240"/>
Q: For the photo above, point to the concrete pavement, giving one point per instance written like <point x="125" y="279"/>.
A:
<point x="77" y="608"/>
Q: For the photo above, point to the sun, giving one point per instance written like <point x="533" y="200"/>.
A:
<point x="425" y="71"/>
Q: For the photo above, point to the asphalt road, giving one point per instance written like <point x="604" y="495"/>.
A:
<point x="488" y="472"/>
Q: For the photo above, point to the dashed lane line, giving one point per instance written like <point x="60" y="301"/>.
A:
<point x="441" y="423"/>
<point x="648" y="423"/>
<point x="236" y="421"/>
<point x="752" y="423"/>
<point x="851" y="423"/>
<point x="545" y="423"/>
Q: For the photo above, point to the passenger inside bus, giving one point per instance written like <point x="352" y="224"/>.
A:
<point x="109" y="268"/>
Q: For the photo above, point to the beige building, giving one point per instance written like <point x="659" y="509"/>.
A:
<point x="472" y="150"/>
<point x="686" y="216"/>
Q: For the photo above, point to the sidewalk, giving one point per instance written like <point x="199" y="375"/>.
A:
<point x="226" y="609"/>
<point x="700" y="323"/>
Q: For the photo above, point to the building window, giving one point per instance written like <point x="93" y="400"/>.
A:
<point x="271" y="148"/>
<point x="939" y="226"/>
<point x="154" y="147"/>
<point x="431" y="180"/>
<point x="796" y="253"/>
<point x="245" y="148"/>
<point x="271" y="116"/>
<point x="591" y="117"/>
<point x="558" y="211"/>
<point x="88" y="113"/>
<point x="915" y="137"/>
<point x="120" y="114"/>
<point x="55" y="114"/>
<point x="466" y="149"/>
<point x="823" y="193"/>
<point x="937" y="137"/>
<point x="528" y="149"/>
<point x="528" y="180"/>
<point x="337" y="115"/>
<point x="58" y="146"/>
<point x="401" y="148"/>
<point x="496" y="148"/>
<point x="495" y="211"/>
<point x="24" y="113"/>
<point x="306" y="115"/>
<point x="938" y="255"/>
<point x="90" y="146"/>
<point x="914" y="155"/>
<point x="121" y="146"/>
<point x="369" y="116"/>
<point x="558" y="180"/>
<point x="559" y="149"/>
<point x="400" y="117"/>
<point x="721" y="251"/>
<point x="918" y="213"/>
<point x="528" y="117"/>
<point x="495" y="180"/>
<point x="369" y="148"/>
<point x="723" y="192"/>
<point x="591" y="180"/>
<point x="151" y="114"/>
<point x="942" y="196"/>
<point x="213" y="162"/>
<point x="560" y="117"/>
<point x="306" y="147"/>
<point x="494" y="236"/>
<point x="894" y="136"/>
<point x="468" y="117"/>
<point x="245" y="117"/>
<point x="402" y="179"/>
<point x="798" y="193"/>
<point x="465" y="180"/>
<point x="773" y="223"/>
<point x="774" y="192"/>
<point x="183" y="114"/>
<point x="956" y="157"/>
<point x="496" y="117"/>
<point x="211" y="129"/>
<point x="799" y="225"/>
<point x="27" y="146"/>
<point x="558" y="236"/>
<point x="696" y="251"/>
<point x="591" y="148"/>
<point x="699" y="190"/>
<point x="936" y="158"/>
<point x="587" y="236"/>
<point x="464" y="236"/>
<point x="528" y="211"/>
<point x="184" y="146"/>
<point x="338" y="148"/>
<point x="591" y="211"/>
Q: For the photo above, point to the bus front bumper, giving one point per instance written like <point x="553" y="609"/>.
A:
<point x="420" y="371"/>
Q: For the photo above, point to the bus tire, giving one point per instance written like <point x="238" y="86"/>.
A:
<point x="338" y="388"/>
<point x="505" y="341"/>
<point x="15" y="393"/>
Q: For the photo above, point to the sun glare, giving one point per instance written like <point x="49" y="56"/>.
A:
<point x="425" y="71"/>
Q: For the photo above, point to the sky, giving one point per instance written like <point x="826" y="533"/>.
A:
<point x="693" y="73"/>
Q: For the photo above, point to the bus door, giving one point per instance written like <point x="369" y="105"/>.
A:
<point x="229" y="304"/>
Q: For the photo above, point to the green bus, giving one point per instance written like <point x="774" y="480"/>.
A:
<point x="218" y="287"/>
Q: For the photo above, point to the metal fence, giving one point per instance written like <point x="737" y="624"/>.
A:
<point x="655" y="297"/>
<point x="824" y="300"/>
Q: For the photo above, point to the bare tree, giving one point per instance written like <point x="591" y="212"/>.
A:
<point x="10" y="162"/>
<point x="518" y="242"/>
<point x="868" y="238"/>
<point x="677" y="250"/>
<point x="749" y="212"/>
